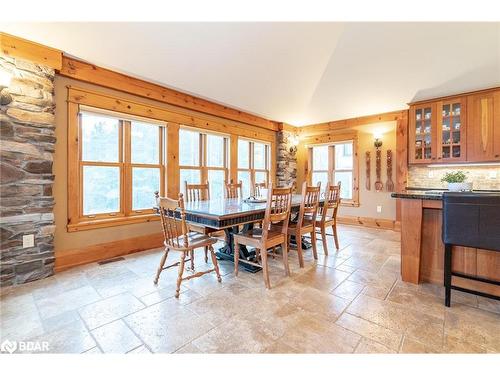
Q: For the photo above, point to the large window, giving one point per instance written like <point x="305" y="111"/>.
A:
<point x="121" y="166"/>
<point x="203" y="157"/>
<point x="253" y="164"/>
<point x="335" y="163"/>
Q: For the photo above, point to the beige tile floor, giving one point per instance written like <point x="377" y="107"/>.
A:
<point x="352" y="301"/>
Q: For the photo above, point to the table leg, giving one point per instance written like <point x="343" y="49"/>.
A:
<point x="227" y="251"/>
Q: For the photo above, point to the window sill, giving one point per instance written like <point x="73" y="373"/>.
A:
<point x="111" y="222"/>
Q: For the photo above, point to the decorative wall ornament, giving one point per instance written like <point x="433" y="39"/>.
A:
<point x="389" y="185"/>
<point x="378" y="170"/>
<point x="368" y="170"/>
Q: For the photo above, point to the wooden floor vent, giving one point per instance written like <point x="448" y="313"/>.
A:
<point x="111" y="260"/>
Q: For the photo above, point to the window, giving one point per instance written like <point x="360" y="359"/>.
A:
<point x="121" y="165"/>
<point x="333" y="163"/>
<point x="253" y="164"/>
<point x="203" y="157"/>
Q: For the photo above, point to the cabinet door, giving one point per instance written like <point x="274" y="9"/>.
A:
<point x="482" y="120"/>
<point x="451" y="130"/>
<point x="422" y="134"/>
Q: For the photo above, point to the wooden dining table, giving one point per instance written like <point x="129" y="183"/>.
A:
<point x="232" y="215"/>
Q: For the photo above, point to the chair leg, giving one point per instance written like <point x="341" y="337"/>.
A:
<point x="206" y="254"/>
<point x="323" y="238"/>
<point x="191" y="255"/>
<point x="298" y="239"/>
<point x="181" y="271"/>
<point x="265" y="269"/>
<point x="335" y="236"/>
<point x="236" y="256"/>
<point x="284" y="250"/>
<point x="215" y="263"/>
<point x="447" y="274"/>
<point x="313" y="239"/>
<point x="160" y="268"/>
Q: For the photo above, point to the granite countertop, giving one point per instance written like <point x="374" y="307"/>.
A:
<point x="431" y="194"/>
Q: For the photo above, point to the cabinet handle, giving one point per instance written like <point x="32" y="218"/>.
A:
<point x="497" y="156"/>
<point x="434" y="158"/>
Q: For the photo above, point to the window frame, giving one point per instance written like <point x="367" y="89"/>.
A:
<point x="77" y="220"/>
<point x="251" y="161"/>
<point x="202" y="162"/>
<point x="354" y="201"/>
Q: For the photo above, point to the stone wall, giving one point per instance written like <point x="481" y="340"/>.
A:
<point x="286" y="168"/>
<point x="27" y="142"/>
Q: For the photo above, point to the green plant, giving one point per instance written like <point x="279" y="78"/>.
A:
<point x="454" y="177"/>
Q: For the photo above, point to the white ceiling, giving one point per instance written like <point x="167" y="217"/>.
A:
<point x="299" y="73"/>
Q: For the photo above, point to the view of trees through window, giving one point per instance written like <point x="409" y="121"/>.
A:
<point x="333" y="163"/>
<point x="253" y="164"/>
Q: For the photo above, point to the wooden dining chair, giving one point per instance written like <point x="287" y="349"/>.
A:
<point x="178" y="238"/>
<point x="233" y="190"/>
<point x="197" y="192"/>
<point x="268" y="237"/>
<point x="194" y="193"/>
<point x="258" y="188"/>
<point x="324" y="219"/>
<point x="306" y="220"/>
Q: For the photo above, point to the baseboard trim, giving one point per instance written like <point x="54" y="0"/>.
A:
<point x="370" y="222"/>
<point x="76" y="257"/>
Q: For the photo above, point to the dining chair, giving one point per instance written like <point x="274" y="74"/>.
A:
<point x="258" y="188"/>
<point x="194" y="193"/>
<point x="197" y="192"/>
<point x="233" y="190"/>
<point x="306" y="220"/>
<point x="178" y="238"/>
<point x="324" y="220"/>
<point x="268" y="237"/>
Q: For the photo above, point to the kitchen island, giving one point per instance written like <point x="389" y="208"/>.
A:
<point x="422" y="250"/>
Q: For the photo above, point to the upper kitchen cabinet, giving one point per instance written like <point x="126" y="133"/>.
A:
<point x="451" y="130"/>
<point x="483" y="128"/>
<point x="459" y="128"/>
<point x="422" y="134"/>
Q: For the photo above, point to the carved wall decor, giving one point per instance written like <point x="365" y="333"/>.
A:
<point x="389" y="185"/>
<point x="368" y="170"/>
<point x="378" y="170"/>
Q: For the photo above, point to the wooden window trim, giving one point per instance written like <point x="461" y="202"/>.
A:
<point x="202" y="162"/>
<point x="77" y="221"/>
<point x="354" y="202"/>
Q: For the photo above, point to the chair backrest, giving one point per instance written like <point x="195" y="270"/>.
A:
<point x="279" y="202"/>
<point x="310" y="203"/>
<point x="173" y="221"/>
<point x="233" y="190"/>
<point x="258" y="187"/>
<point x="197" y="192"/>
<point x="332" y="201"/>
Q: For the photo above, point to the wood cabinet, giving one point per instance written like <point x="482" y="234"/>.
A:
<point x="455" y="129"/>
<point x="422" y="134"/>
<point x="483" y="124"/>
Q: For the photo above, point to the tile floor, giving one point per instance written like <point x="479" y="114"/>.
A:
<point x="352" y="301"/>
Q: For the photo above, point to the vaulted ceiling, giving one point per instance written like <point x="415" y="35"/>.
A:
<point x="299" y="73"/>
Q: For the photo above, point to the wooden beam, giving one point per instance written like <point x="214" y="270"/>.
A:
<point x="86" y="72"/>
<point x="401" y="160"/>
<point x="352" y="122"/>
<point x="20" y="48"/>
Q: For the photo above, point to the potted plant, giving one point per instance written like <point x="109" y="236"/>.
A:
<point x="456" y="181"/>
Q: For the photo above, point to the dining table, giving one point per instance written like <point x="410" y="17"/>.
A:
<point x="233" y="215"/>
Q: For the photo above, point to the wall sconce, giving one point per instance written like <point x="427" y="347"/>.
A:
<point x="5" y="79"/>
<point x="378" y="140"/>
<point x="294" y="141"/>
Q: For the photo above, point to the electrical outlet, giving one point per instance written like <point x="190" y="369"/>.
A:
<point x="29" y="240"/>
<point x="430" y="174"/>
<point x="493" y="175"/>
<point x="379" y="209"/>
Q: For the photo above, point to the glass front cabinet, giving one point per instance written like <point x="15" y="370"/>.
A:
<point x="437" y="132"/>
<point x="451" y="131"/>
<point x="422" y="133"/>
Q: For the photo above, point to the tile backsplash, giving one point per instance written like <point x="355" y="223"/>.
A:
<point x="482" y="177"/>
